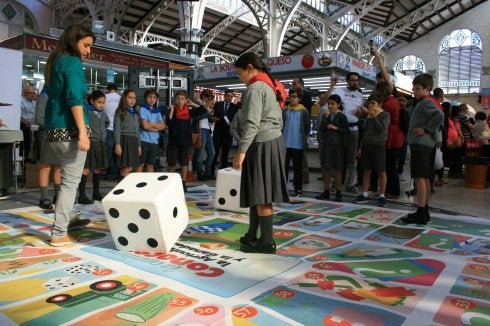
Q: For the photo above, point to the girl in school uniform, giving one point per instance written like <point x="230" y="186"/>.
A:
<point x="334" y="127"/>
<point x="96" y="155"/>
<point x="126" y="134"/>
<point x="261" y="152"/>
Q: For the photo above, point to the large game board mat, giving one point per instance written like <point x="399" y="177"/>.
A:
<point x="336" y="264"/>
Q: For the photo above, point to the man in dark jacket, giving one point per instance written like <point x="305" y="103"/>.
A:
<point x="224" y="112"/>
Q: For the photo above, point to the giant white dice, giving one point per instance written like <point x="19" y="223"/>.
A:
<point x="147" y="212"/>
<point x="227" y="191"/>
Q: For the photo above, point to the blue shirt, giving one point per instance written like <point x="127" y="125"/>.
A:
<point x="151" y="137"/>
<point x="292" y="129"/>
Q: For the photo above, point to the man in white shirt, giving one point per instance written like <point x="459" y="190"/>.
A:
<point x="112" y="99"/>
<point x="352" y="101"/>
<point x="27" y="118"/>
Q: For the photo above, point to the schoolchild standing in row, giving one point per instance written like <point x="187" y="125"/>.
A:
<point x="96" y="155"/>
<point x="180" y="131"/>
<point x="334" y="127"/>
<point x="126" y="133"/>
<point x="296" y="130"/>
<point x="151" y="123"/>
<point x="372" y="148"/>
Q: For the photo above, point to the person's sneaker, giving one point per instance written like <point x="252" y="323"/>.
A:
<point x="361" y="199"/>
<point x="324" y="195"/>
<point x="298" y="193"/>
<point x="338" y="197"/>
<point x="381" y="201"/>
<point x="85" y="200"/>
<point x="351" y="189"/>
<point x="67" y="240"/>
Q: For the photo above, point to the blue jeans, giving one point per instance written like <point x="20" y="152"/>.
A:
<point x="206" y="144"/>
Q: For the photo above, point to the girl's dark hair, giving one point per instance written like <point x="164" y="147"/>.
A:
<point x="151" y="91"/>
<point x="337" y="99"/>
<point x="95" y="95"/>
<point x="250" y="58"/>
<point x="121" y="110"/>
<point x="480" y="115"/>
<point x="67" y="44"/>
<point x="206" y="93"/>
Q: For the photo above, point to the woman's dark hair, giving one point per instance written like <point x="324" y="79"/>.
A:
<point x="122" y="109"/>
<point x="95" y="95"/>
<point x="67" y="44"/>
<point x="252" y="59"/>
<point x="447" y="108"/>
<point x="454" y="111"/>
<point x="337" y="99"/>
<point x="383" y="88"/>
<point x="151" y="91"/>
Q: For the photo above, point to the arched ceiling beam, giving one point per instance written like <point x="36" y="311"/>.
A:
<point x="222" y="25"/>
<point x="394" y="29"/>
<point x="366" y="8"/>
<point x="144" y="25"/>
<point x="261" y="6"/>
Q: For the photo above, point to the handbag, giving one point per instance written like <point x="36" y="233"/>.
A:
<point x="196" y="140"/>
<point x="438" y="162"/>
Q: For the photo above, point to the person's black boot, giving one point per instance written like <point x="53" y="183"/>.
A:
<point x="418" y="217"/>
<point x="426" y="211"/>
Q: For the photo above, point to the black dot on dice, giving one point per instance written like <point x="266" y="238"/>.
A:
<point x="175" y="212"/>
<point x="122" y="241"/>
<point x="118" y="191"/>
<point x="221" y="201"/>
<point x="114" y="212"/>
<point x="152" y="242"/>
<point x="141" y="185"/>
<point x="162" y="177"/>
<point x="133" y="227"/>
<point x="145" y="214"/>
<point x="233" y="192"/>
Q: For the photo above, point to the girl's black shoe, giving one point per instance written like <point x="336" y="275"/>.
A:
<point x="259" y="247"/>
<point x="97" y="196"/>
<point x="85" y="200"/>
<point x="247" y="239"/>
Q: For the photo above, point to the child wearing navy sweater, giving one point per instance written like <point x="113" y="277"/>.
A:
<point x="96" y="155"/>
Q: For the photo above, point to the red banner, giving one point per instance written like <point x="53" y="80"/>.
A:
<point x="485" y="101"/>
<point x="45" y="44"/>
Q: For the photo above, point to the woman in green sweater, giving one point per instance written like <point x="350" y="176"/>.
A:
<point x="261" y="152"/>
<point x="66" y="122"/>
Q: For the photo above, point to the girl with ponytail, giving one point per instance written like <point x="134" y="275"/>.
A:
<point x="261" y="152"/>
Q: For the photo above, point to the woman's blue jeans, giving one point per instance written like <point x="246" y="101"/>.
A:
<point x="208" y="146"/>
